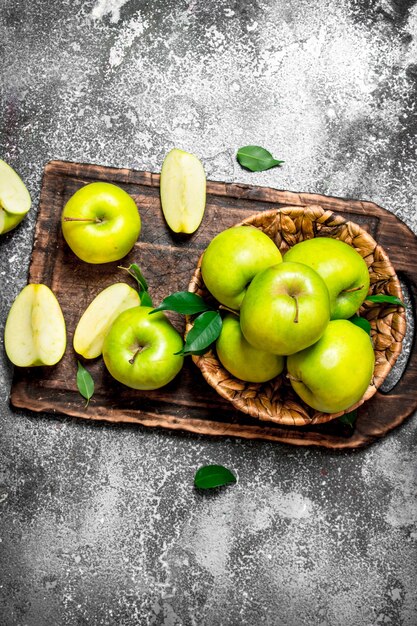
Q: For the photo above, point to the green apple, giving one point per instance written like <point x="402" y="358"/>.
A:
<point x="342" y="268"/>
<point x="243" y="360"/>
<point x="100" y="315"/>
<point x="183" y="191"/>
<point x="233" y="258"/>
<point x="286" y="309"/>
<point x="100" y="223"/>
<point x="333" y="375"/>
<point x="14" y="198"/>
<point x="35" y="331"/>
<point x="140" y="349"/>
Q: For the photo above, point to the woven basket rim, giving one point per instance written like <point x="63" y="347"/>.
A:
<point x="246" y="396"/>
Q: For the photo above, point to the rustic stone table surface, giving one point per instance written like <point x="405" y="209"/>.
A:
<point x="101" y="525"/>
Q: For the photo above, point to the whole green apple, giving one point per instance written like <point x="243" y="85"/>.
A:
<point x="233" y="258"/>
<point x="139" y="349"/>
<point x="334" y="373"/>
<point x="100" y="223"/>
<point x="243" y="360"/>
<point x="341" y="267"/>
<point x="15" y="200"/>
<point x="286" y="309"/>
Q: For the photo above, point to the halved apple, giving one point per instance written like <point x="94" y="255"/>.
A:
<point x="183" y="191"/>
<point x="35" y="331"/>
<point x="14" y="198"/>
<point x="99" y="316"/>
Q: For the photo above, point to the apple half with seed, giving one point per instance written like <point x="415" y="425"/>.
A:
<point x="35" y="332"/>
<point x="96" y="320"/>
<point x="15" y="200"/>
<point x="183" y="191"/>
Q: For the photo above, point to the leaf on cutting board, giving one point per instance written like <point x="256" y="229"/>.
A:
<point x="206" y="329"/>
<point x="211" y="476"/>
<point x="183" y="302"/>
<point x="145" y="299"/>
<point x="256" y="159"/>
<point x="85" y="383"/>
<point x="135" y="272"/>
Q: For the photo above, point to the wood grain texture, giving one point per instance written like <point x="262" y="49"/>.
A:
<point x="168" y="261"/>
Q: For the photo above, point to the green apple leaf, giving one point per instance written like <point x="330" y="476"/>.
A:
<point x="145" y="299"/>
<point x="206" y="329"/>
<point x="183" y="302"/>
<point x="85" y="383"/>
<point x="135" y="272"/>
<point x="349" y="419"/>
<point x="362" y="322"/>
<point x="383" y="298"/>
<point x="211" y="476"/>
<point x="256" y="159"/>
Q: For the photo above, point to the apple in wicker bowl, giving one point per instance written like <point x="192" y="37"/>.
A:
<point x="281" y="398"/>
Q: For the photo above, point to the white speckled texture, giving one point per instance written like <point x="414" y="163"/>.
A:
<point x="101" y="524"/>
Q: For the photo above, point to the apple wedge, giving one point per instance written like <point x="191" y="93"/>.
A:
<point x="14" y="198"/>
<point x="35" y="331"/>
<point x="183" y="191"/>
<point x="99" y="316"/>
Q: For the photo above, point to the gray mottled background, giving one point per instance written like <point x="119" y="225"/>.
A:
<point x="100" y="524"/>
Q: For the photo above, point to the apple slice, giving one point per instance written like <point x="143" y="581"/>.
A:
<point x="99" y="316"/>
<point x="14" y="198"/>
<point x="35" y="331"/>
<point x="183" y="191"/>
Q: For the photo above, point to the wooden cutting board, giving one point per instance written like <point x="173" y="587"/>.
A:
<point x="167" y="261"/>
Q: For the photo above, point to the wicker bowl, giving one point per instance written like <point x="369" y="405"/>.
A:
<point x="275" y="400"/>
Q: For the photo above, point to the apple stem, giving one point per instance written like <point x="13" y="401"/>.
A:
<point x="352" y="290"/>
<point x="82" y="219"/>
<point x="138" y="351"/>
<point x="296" y="310"/>
<point x="226" y="308"/>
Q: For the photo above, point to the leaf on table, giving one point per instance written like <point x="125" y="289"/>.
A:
<point x="256" y="159"/>
<point x="85" y="383"/>
<point x="211" y="476"/>
<point x="183" y="302"/>
<point x="206" y="329"/>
